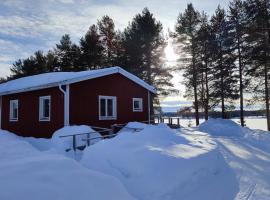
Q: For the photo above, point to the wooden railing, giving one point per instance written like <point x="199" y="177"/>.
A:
<point x="173" y="122"/>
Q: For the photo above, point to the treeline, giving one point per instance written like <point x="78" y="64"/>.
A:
<point x="216" y="114"/>
<point x="139" y="49"/>
<point x="226" y="55"/>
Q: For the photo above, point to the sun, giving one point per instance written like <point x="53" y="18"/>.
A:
<point x="170" y="54"/>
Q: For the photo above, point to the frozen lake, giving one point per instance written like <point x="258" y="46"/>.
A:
<point x="251" y="122"/>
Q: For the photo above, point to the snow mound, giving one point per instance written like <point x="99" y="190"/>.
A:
<point x="26" y="173"/>
<point x="222" y="127"/>
<point x="159" y="163"/>
<point x="65" y="143"/>
<point x="133" y="127"/>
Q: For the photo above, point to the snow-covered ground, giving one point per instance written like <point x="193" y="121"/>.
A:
<point x="251" y="122"/>
<point x="218" y="160"/>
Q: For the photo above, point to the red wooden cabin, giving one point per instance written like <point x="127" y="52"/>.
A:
<point x="38" y="105"/>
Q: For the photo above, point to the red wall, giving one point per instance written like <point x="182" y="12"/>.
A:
<point x="84" y="107"/>
<point x="28" y="123"/>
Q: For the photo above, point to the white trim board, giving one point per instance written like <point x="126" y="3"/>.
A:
<point x="55" y="79"/>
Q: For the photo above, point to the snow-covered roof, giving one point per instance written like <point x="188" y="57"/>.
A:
<point x="53" y="79"/>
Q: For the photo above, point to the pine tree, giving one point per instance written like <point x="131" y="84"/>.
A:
<point x="237" y="29"/>
<point x="143" y="45"/>
<point x="186" y="30"/>
<point x="225" y="79"/>
<point x="108" y="37"/>
<point x="33" y="65"/>
<point x="204" y="42"/>
<point x="92" y="49"/>
<point x="68" y="55"/>
<point x="258" y="18"/>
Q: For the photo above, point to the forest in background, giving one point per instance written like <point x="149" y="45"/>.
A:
<point x="222" y="56"/>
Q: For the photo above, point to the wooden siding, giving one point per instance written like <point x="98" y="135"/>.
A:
<point x="84" y="106"/>
<point x="28" y="123"/>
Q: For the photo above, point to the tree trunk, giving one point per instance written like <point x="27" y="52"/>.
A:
<point x="266" y="96"/>
<point x="206" y="106"/>
<point x="222" y="89"/>
<point x="194" y="75"/>
<point x="241" y="84"/>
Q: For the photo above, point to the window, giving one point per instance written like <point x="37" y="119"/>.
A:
<point x="137" y="105"/>
<point x="13" y="110"/>
<point x="44" y="108"/>
<point x="107" y="108"/>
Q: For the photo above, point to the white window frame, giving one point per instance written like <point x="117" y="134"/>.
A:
<point x="16" y="101"/>
<point x="140" y="109"/>
<point x="41" y="104"/>
<point x="114" y="104"/>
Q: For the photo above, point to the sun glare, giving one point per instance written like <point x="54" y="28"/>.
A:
<point x="170" y="53"/>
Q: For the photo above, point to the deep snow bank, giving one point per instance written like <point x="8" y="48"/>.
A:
<point x="158" y="163"/>
<point x="222" y="127"/>
<point x="26" y="173"/>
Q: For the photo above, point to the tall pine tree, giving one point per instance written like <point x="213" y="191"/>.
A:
<point x="237" y="29"/>
<point x="224" y="87"/>
<point x="91" y="49"/>
<point x="258" y="18"/>
<point x="68" y="55"/>
<point x="108" y="37"/>
<point x="186" y="30"/>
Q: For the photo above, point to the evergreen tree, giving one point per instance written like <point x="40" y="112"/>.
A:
<point x="108" y="39"/>
<point x="225" y="79"/>
<point x="258" y="18"/>
<point x="68" y="55"/>
<point x="237" y="29"/>
<point x="144" y="45"/>
<point x="30" y="66"/>
<point x="187" y="27"/>
<point x="92" y="49"/>
<point x="204" y="42"/>
<point x="52" y="61"/>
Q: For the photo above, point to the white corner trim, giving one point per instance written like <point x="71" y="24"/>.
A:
<point x="114" y="103"/>
<point x="41" y="104"/>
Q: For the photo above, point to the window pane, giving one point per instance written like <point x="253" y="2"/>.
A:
<point x="136" y="104"/>
<point x="46" y="108"/>
<point x="15" y="113"/>
<point x="109" y="107"/>
<point x="102" y="107"/>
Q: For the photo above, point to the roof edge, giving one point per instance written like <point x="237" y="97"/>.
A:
<point x="113" y="70"/>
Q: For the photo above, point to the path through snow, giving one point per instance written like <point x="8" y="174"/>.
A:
<point x="249" y="161"/>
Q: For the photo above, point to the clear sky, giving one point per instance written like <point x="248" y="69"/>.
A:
<point x="30" y="25"/>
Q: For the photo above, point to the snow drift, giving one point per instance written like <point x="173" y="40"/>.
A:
<point x="65" y="143"/>
<point x="26" y="173"/>
<point x="222" y="127"/>
<point x="158" y="163"/>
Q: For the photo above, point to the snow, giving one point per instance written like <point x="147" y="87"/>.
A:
<point x="248" y="156"/>
<point x="27" y="173"/>
<point x="217" y="160"/>
<point x="53" y="79"/>
<point x="158" y="163"/>
<point x="221" y="127"/>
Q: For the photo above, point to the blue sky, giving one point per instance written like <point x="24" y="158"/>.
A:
<point x="30" y="25"/>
